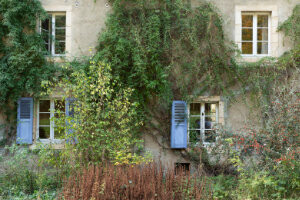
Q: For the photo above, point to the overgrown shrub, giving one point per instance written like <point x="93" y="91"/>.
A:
<point x="103" y="120"/>
<point x="18" y="172"/>
<point x="22" y="177"/>
<point x="267" y="158"/>
<point x="166" y="50"/>
<point x="149" y="181"/>
<point x="282" y="183"/>
<point x="223" y="187"/>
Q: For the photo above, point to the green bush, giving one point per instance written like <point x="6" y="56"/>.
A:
<point x="22" y="177"/>
<point x="104" y="122"/>
<point x="18" y="172"/>
<point x="223" y="186"/>
<point x="283" y="184"/>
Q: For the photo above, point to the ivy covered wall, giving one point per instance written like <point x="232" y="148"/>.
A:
<point x="163" y="50"/>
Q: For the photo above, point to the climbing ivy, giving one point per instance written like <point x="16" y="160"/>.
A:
<point x="167" y="49"/>
<point x="259" y="79"/>
<point x="291" y="27"/>
<point x="22" y="62"/>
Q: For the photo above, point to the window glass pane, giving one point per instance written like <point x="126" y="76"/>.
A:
<point x="47" y="48"/>
<point x="44" y="132"/>
<point x="247" y="48"/>
<point x="208" y="125"/>
<point x="262" y="34"/>
<point x="44" y="105"/>
<point x="46" y="26"/>
<point x="44" y="118"/>
<point x="195" y="123"/>
<point x="247" y="21"/>
<point x="262" y="21"/>
<point x="195" y="108"/>
<point x="210" y="108"/>
<point x="194" y="135"/>
<point x="247" y="34"/>
<point x="60" y="21"/>
<point x="262" y="48"/>
<point x="211" y="118"/>
<point x="59" y="105"/>
<point x="60" y="47"/>
<point x="210" y="136"/>
<point x="60" y="34"/>
<point x="59" y="133"/>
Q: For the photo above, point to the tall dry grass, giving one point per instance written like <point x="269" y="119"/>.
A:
<point x="149" y="181"/>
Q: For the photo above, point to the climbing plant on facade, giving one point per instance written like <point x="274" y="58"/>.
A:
<point x="166" y="48"/>
<point x="22" y="62"/>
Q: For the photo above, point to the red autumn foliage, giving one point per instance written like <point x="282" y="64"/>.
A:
<point x="279" y="139"/>
<point x="130" y="182"/>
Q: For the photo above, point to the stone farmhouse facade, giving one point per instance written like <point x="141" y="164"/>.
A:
<point x="251" y="24"/>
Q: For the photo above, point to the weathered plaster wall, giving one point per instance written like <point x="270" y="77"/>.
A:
<point x="86" y="19"/>
<point x="164" y="154"/>
<point x="227" y="10"/>
<point x="280" y="10"/>
<point x="241" y="112"/>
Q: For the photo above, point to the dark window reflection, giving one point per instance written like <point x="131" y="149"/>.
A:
<point x="247" y="21"/>
<point x="247" y="47"/>
<point x="44" y="105"/>
<point x="44" y="132"/>
<point x="262" y="21"/>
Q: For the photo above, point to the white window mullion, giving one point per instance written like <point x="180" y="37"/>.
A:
<point x="188" y="128"/>
<point x="217" y="113"/>
<point x="269" y="35"/>
<point x="255" y="34"/>
<point x="53" y="35"/>
<point x="202" y="113"/>
<point x="51" y="120"/>
<point x="38" y="120"/>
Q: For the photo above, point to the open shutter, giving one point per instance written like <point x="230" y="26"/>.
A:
<point x="179" y="125"/>
<point x="70" y="113"/>
<point x="25" y="120"/>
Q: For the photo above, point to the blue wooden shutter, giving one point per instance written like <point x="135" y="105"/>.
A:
<point x="179" y="125"/>
<point x="25" y="120"/>
<point x="70" y="113"/>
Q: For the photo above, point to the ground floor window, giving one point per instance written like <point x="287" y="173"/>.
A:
<point x="203" y="118"/>
<point x="48" y="110"/>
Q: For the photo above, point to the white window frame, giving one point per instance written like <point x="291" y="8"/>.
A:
<point x="52" y="18"/>
<point x="52" y="125"/>
<point x="202" y="120"/>
<point x="254" y="34"/>
<point x="275" y="47"/>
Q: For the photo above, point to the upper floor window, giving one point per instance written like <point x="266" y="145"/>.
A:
<point x="53" y="30"/>
<point x="255" y="33"/>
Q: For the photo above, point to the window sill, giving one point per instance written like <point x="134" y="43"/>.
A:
<point x="251" y="58"/>
<point x="49" y="141"/>
<point x="38" y="145"/>
<point x="204" y="144"/>
<point x="56" y="58"/>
